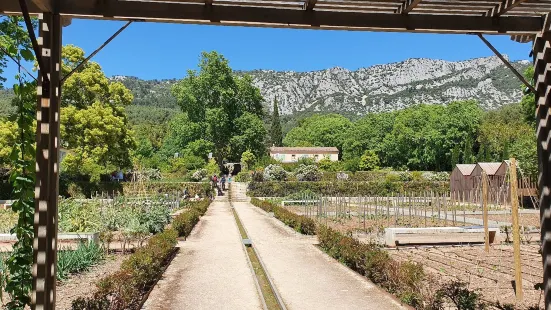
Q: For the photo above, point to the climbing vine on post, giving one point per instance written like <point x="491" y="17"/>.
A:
<point x="14" y="40"/>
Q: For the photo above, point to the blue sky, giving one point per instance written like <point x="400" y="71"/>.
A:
<point x="157" y="51"/>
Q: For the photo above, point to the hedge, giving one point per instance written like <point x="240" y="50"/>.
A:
<point x="402" y="279"/>
<point x="381" y="188"/>
<point x="68" y="188"/>
<point x="125" y="289"/>
<point x="184" y="222"/>
<point x="300" y="223"/>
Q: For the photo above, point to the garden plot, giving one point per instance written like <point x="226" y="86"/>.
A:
<point x="492" y="273"/>
<point x="527" y="218"/>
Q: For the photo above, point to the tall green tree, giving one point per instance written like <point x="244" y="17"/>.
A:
<point x="319" y="130"/>
<point x="215" y="98"/>
<point x="528" y="101"/>
<point x="94" y="125"/>
<point x="180" y="132"/>
<point x="276" y="134"/>
<point x="367" y="133"/>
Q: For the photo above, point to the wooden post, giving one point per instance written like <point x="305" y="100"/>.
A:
<point x="446" y="208"/>
<point x="516" y="228"/>
<point x="44" y="268"/>
<point x="425" y="206"/>
<point x="485" y="211"/>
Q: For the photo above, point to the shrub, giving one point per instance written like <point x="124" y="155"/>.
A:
<point x="463" y="298"/>
<point x="274" y="173"/>
<point x="308" y="173"/>
<point x="125" y="288"/>
<point x="405" y="176"/>
<point x="185" y="221"/>
<point x="257" y="176"/>
<point x="212" y="167"/>
<point x="436" y="176"/>
<point x="243" y="176"/>
<point x="300" y="223"/>
<point x="401" y="279"/>
<point x="379" y="188"/>
<point x="342" y="176"/>
<point x="369" y="161"/>
<point x="199" y="175"/>
<point x="247" y="160"/>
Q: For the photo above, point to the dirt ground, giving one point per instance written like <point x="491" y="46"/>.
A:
<point x="83" y="285"/>
<point x="492" y="273"/>
<point x="525" y="219"/>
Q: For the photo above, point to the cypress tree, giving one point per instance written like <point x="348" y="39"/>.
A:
<point x="468" y="152"/>
<point x="275" y="131"/>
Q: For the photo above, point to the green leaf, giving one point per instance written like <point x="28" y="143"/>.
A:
<point x="27" y="54"/>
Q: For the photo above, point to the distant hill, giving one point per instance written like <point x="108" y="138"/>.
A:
<point x="352" y="93"/>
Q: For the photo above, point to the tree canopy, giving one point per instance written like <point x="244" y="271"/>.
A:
<point x="319" y="130"/>
<point x="94" y="126"/>
<point x="227" y="108"/>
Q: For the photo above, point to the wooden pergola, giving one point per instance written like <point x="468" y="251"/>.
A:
<point x="524" y="20"/>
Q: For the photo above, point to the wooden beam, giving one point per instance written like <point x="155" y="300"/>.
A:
<point x="291" y="18"/>
<point x="43" y="5"/>
<point x="504" y="7"/>
<point x="407" y="6"/>
<point x="309" y="5"/>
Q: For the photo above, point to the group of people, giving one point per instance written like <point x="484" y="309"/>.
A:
<point x="220" y="183"/>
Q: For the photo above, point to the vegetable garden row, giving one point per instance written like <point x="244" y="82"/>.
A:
<point x="425" y="278"/>
<point x="143" y="229"/>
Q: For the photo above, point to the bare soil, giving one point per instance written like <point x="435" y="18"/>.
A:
<point x="525" y="219"/>
<point x="84" y="285"/>
<point x="492" y="273"/>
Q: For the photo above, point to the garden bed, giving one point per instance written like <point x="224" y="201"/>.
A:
<point x="525" y="219"/>
<point x="82" y="285"/>
<point x="489" y="273"/>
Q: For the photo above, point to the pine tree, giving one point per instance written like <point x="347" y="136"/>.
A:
<point x="276" y="134"/>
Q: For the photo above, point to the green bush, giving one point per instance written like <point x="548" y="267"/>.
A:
<point x="401" y="279"/>
<point x="308" y="173"/>
<point x="243" y="176"/>
<point x="380" y="188"/>
<point x="300" y="223"/>
<point x="125" y="288"/>
<point x="274" y="173"/>
<point x="185" y="221"/>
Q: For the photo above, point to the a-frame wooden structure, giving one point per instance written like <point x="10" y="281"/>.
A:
<point x="524" y="20"/>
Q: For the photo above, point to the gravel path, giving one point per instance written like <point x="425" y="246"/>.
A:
<point x="305" y="277"/>
<point x="211" y="270"/>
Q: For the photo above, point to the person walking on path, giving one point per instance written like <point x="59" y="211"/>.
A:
<point x="223" y="181"/>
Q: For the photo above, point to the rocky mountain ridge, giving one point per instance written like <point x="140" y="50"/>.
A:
<point x="377" y="88"/>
